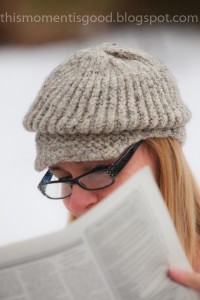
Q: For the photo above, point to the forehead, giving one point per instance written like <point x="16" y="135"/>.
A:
<point x="82" y="164"/>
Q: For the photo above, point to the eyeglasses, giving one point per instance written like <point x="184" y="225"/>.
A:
<point x="97" y="179"/>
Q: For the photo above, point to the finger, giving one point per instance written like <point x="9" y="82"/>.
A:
<point x="189" y="279"/>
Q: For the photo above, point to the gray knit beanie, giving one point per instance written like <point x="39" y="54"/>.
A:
<point x="101" y="100"/>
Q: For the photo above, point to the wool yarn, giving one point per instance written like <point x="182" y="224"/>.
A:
<point x="101" y="100"/>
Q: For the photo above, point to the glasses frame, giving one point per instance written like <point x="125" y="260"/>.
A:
<point x="112" y="171"/>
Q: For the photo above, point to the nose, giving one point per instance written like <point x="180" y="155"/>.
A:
<point x="80" y="200"/>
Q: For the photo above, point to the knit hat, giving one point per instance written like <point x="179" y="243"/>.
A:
<point x="100" y="101"/>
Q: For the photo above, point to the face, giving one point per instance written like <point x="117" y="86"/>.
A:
<point x="82" y="200"/>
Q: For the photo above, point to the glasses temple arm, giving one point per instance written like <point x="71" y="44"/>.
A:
<point x="46" y="179"/>
<point x="122" y="161"/>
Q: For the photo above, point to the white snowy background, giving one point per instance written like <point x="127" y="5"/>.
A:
<point x="24" y="212"/>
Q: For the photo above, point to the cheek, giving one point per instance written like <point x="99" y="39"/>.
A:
<point x="107" y="191"/>
<point x="66" y="202"/>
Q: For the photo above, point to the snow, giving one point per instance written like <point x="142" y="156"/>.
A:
<point x="24" y="212"/>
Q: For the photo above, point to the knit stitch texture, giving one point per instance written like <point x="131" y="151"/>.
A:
<point x="101" y="100"/>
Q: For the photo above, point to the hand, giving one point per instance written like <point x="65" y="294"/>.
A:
<point x="189" y="279"/>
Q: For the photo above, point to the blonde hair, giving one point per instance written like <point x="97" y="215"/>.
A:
<point x="180" y="192"/>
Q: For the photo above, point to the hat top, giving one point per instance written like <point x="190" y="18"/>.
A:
<point x="106" y="91"/>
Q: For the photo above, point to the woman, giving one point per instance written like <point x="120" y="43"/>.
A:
<point x="100" y="117"/>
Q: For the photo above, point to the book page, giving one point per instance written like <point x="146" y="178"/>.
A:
<point x="120" y="249"/>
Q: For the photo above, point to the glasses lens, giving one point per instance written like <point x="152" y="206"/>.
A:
<point x="57" y="190"/>
<point x="96" y="180"/>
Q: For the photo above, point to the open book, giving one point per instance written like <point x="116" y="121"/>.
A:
<point x="119" y="250"/>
